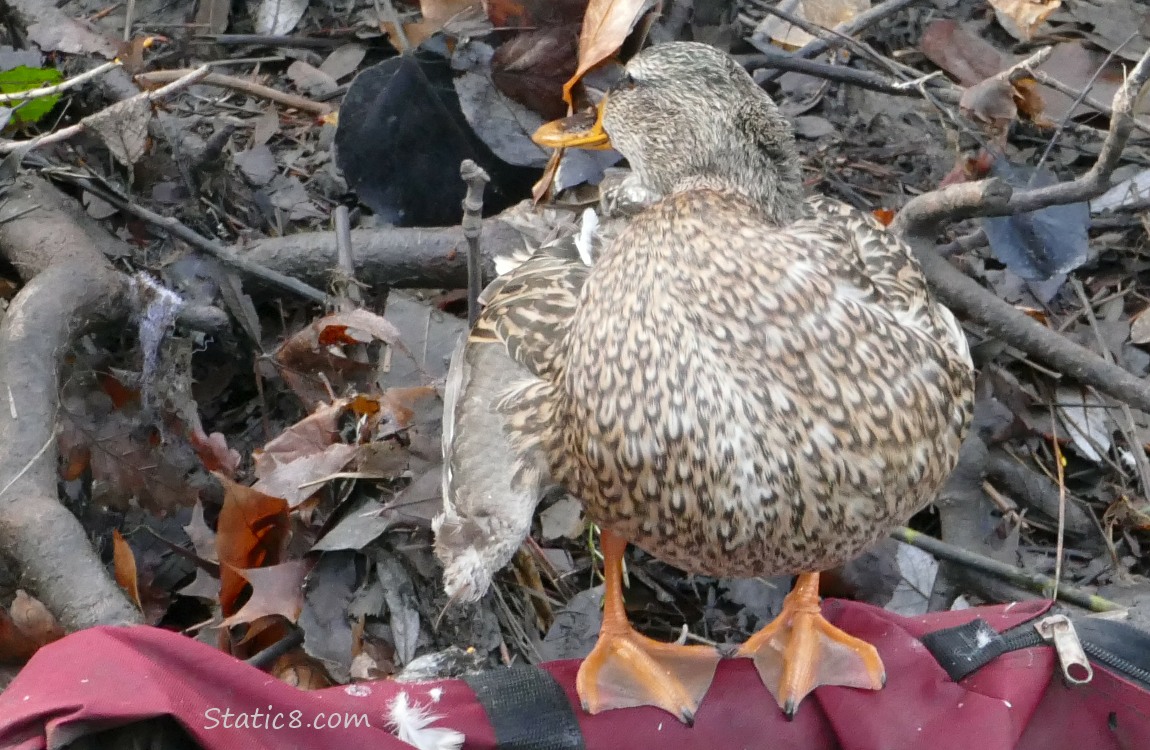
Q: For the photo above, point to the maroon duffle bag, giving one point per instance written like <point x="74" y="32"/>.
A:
<point x="993" y="678"/>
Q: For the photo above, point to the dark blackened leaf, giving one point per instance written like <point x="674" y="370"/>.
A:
<point x="1041" y="244"/>
<point x="401" y="139"/>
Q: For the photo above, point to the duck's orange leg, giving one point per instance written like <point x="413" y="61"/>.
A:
<point x="800" y="650"/>
<point x="627" y="669"/>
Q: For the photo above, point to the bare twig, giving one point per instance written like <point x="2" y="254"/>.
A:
<point x="56" y="88"/>
<point x="859" y="23"/>
<point x="865" y="79"/>
<point x="1082" y="97"/>
<point x="71" y="286"/>
<point x="178" y="229"/>
<point x="1036" y="582"/>
<point x="1070" y="110"/>
<point x="182" y="82"/>
<point x="969" y="299"/>
<point x="347" y="290"/>
<point x="472" y="223"/>
<point x="1023" y="68"/>
<point x="921" y="216"/>
<point x="1097" y="180"/>
<point x="1126" y="424"/>
<point x="1060" y="469"/>
<point x="242" y="84"/>
<point x="919" y="220"/>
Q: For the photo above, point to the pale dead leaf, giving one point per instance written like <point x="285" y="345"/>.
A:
<point x="34" y="619"/>
<point x="123" y="127"/>
<point x="1021" y="18"/>
<point x="1086" y="420"/>
<point x="441" y="11"/>
<point x="917" y="569"/>
<point x="278" y="17"/>
<point x="202" y="537"/>
<point x="825" y="13"/>
<point x="344" y="60"/>
<point x="309" y="450"/>
<point x="212" y="16"/>
<point x="276" y="590"/>
<point x="265" y="126"/>
<point x="1140" y="328"/>
<point x="991" y="101"/>
<point x="62" y="34"/>
<point x="203" y="586"/>
<point x="563" y="519"/>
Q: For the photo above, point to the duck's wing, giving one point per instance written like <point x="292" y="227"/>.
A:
<point x="493" y="476"/>
<point x="888" y="264"/>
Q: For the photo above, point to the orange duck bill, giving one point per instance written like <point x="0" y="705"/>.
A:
<point x="581" y="130"/>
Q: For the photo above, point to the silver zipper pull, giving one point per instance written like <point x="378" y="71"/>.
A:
<point x="1058" y="630"/>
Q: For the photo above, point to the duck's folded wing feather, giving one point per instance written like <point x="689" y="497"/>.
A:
<point x="493" y="478"/>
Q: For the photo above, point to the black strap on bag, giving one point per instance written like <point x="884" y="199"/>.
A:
<point x="527" y="709"/>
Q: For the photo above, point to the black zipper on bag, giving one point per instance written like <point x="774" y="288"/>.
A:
<point x="1026" y="636"/>
<point x="1119" y="647"/>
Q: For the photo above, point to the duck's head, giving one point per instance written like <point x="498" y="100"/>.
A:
<point x="687" y="116"/>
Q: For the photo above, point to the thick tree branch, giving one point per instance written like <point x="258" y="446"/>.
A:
<point x="918" y="224"/>
<point x="54" y="243"/>
<point x="388" y="256"/>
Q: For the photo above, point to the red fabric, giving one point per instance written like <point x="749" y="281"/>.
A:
<point x="111" y="676"/>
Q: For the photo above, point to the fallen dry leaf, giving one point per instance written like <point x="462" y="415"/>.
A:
<point x="123" y="127"/>
<point x="532" y="68"/>
<point x="124" y="565"/>
<point x="1021" y="18"/>
<point x="534" y="14"/>
<point x="300" y="670"/>
<point x="960" y="52"/>
<point x="317" y="350"/>
<point x="276" y="590"/>
<point x="24" y="628"/>
<point x="435" y="14"/>
<point x="1140" y="328"/>
<point x="203" y="539"/>
<point x="825" y="13"/>
<point x="252" y="532"/>
<point x="605" y="27"/>
<point x="34" y="618"/>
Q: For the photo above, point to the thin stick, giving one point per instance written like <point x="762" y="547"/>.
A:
<point x="208" y="245"/>
<point x="182" y="82"/>
<point x="56" y="88"/>
<point x="1070" y="110"/>
<point x="861" y="22"/>
<point x="347" y="290"/>
<point x="1036" y="582"/>
<point x="476" y="180"/>
<point x="242" y="84"/>
<point x="1060" y="468"/>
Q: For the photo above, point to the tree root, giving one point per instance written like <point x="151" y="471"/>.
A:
<point x="57" y="247"/>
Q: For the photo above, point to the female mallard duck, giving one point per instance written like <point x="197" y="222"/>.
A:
<point x="744" y="384"/>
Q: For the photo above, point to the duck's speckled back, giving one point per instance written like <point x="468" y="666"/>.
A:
<point x="743" y="399"/>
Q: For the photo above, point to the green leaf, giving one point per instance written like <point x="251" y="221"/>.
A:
<point x="24" y="78"/>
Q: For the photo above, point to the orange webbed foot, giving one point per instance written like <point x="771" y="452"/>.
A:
<point x="800" y="651"/>
<point x="627" y="669"/>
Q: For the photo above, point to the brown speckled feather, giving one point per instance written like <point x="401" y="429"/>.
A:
<point x="741" y="399"/>
<point x="744" y="383"/>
